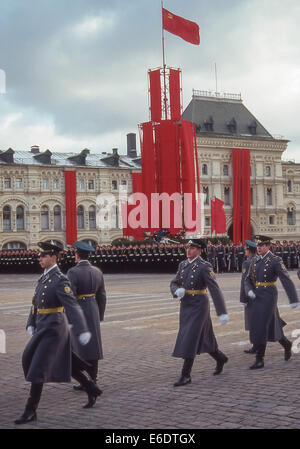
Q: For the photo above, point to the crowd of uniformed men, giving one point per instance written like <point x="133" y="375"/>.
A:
<point x="148" y="256"/>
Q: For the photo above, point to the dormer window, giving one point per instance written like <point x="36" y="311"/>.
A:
<point x="231" y="125"/>
<point x="209" y="124"/>
<point x="252" y="127"/>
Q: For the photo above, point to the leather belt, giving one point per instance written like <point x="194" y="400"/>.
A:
<point x="47" y="311"/>
<point x="88" y="295"/>
<point x="265" y="284"/>
<point x="196" y="292"/>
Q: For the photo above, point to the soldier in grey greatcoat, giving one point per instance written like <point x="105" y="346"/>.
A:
<point x="196" y="333"/>
<point x="87" y="284"/>
<point x="260" y="287"/>
<point x="48" y="357"/>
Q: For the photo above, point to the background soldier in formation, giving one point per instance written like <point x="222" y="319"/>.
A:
<point x="88" y="287"/>
<point x="147" y="256"/>
<point x="196" y="333"/>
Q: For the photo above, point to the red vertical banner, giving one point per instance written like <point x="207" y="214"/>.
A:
<point x="174" y="91"/>
<point x="189" y="176"/>
<point x="246" y="195"/>
<point x="71" y="210"/>
<point x="237" y="174"/>
<point x="149" y="166"/>
<point x="155" y="95"/>
<point x="220" y="217"/>
<point x="166" y="144"/>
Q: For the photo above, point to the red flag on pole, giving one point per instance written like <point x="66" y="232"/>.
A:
<point x="187" y="30"/>
<point x="212" y="216"/>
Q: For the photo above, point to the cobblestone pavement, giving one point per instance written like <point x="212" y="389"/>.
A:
<point x="138" y="371"/>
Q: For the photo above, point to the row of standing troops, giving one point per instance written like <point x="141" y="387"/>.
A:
<point x="109" y="257"/>
<point x="231" y="257"/>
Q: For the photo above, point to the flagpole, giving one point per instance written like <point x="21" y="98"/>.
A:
<point x="164" y="63"/>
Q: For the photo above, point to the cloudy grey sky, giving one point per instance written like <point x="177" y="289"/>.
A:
<point x="76" y="70"/>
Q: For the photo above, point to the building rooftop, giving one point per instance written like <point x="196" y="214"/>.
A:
<point x="217" y="114"/>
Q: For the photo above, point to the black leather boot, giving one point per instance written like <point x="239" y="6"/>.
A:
<point x="259" y="361"/>
<point x="221" y="359"/>
<point x="287" y="344"/>
<point x="185" y="377"/>
<point x="31" y="405"/>
<point x="93" y="391"/>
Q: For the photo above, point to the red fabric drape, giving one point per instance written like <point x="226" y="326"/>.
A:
<point x="237" y="173"/>
<point x="71" y="211"/>
<point x="246" y="195"/>
<point x="155" y="95"/>
<point x="149" y="166"/>
<point x="220" y="217"/>
<point x="166" y="144"/>
<point x="188" y="164"/>
<point x="174" y="89"/>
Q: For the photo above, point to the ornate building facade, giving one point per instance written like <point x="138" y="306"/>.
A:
<point x="32" y="194"/>
<point x="32" y="190"/>
<point x="223" y="123"/>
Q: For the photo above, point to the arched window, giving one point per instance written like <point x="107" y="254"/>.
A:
<point x="44" y="218"/>
<point x="204" y="169"/>
<point x="269" y="197"/>
<point x="92" y="217"/>
<point x="20" y="218"/>
<point x="206" y="195"/>
<point x="114" y="217"/>
<point x="57" y="218"/>
<point x="291" y="220"/>
<point x="80" y="217"/>
<point x="227" y="196"/>
<point x="6" y="218"/>
<point x="289" y="186"/>
<point x="251" y="197"/>
<point x="268" y="170"/>
<point x="225" y="170"/>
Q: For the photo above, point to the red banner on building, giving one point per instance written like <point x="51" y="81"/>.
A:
<point x="71" y="210"/>
<point x="155" y="95"/>
<point x="174" y="90"/>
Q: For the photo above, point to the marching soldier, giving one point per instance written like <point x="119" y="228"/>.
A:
<point x="278" y="249"/>
<point x="48" y="357"/>
<point x="260" y="286"/>
<point x="196" y="333"/>
<point x="211" y="256"/>
<point x="88" y="287"/>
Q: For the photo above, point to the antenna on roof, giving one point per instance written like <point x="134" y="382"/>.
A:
<point x="216" y="77"/>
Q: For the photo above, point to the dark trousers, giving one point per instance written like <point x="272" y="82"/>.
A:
<point x="261" y="349"/>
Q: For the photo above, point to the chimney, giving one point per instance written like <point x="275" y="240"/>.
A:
<point x="131" y="145"/>
<point x="35" y="149"/>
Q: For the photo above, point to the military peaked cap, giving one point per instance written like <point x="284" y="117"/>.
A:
<point x="84" y="247"/>
<point x="263" y="240"/>
<point x="250" y="245"/>
<point x="49" y="248"/>
<point x="196" y="243"/>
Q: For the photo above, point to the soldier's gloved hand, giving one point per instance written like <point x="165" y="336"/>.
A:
<point x="251" y="294"/>
<point x="224" y="318"/>
<point x="180" y="292"/>
<point x="30" y="330"/>
<point x="294" y="305"/>
<point x="84" y="338"/>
